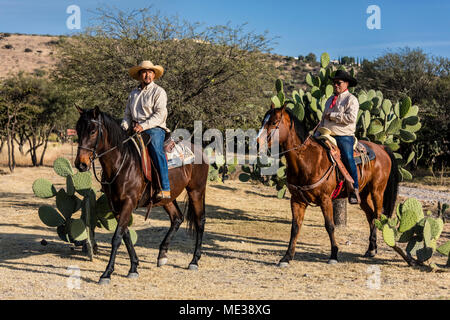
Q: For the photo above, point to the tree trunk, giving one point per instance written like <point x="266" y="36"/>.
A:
<point x="47" y="135"/>
<point x="340" y="212"/>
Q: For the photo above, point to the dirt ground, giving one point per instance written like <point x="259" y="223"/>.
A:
<point x="247" y="232"/>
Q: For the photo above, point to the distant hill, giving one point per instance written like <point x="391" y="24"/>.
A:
<point x="36" y="54"/>
<point x="28" y="53"/>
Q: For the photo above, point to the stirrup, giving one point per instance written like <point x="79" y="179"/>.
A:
<point x="354" y="198"/>
<point x="163" y="195"/>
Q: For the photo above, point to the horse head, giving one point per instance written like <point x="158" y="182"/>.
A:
<point x="275" y="127"/>
<point x="89" y="131"/>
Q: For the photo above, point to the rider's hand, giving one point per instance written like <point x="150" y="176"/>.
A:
<point x="138" y="128"/>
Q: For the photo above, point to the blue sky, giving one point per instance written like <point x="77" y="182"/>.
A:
<point x="337" y="27"/>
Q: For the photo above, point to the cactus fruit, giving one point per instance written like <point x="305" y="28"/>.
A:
<point x="62" y="167"/>
<point x="43" y="188"/>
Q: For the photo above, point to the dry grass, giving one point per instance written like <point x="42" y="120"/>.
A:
<point x="247" y="232"/>
<point x="54" y="150"/>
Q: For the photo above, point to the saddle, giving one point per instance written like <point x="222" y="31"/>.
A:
<point x="361" y="153"/>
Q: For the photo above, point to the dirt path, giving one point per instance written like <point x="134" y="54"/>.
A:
<point x="247" y="232"/>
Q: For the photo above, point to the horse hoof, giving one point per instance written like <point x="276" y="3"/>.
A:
<point x="283" y="264"/>
<point x="133" y="275"/>
<point x="162" y="262"/>
<point x="332" y="261"/>
<point x="370" y="253"/>
<point x="193" y="267"/>
<point x="104" y="281"/>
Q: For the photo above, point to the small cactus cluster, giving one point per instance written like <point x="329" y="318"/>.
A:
<point x="94" y="212"/>
<point x="219" y="171"/>
<point x="421" y="232"/>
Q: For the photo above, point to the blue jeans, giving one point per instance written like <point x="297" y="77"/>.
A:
<point x="156" y="149"/>
<point x="345" y="144"/>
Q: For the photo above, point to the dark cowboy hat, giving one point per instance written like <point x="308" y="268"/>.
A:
<point x="343" y="75"/>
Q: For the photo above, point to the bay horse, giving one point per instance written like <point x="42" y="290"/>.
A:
<point x="307" y="167"/>
<point x="100" y="136"/>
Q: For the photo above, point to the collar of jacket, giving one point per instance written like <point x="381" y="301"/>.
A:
<point x="147" y="87"/>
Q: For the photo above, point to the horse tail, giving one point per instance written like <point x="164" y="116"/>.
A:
<point x="194" y="217"/>
<point x="391" y="191"/>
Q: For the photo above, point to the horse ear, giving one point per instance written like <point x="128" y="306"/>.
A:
<point x="79" y="109"/>
<point x="272" y="106"/>
<point x="96" y="112"/>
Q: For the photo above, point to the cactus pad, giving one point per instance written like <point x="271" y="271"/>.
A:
<point x="133" y="236"/>
<point x="102" y="206"/>
<point x="82" y="181"/>
<point x="444" y="249"/>
<point x="437" y="225"/>
<point x="50" y="216"/>
<point x="424" y="254"/>
<point x="43" y="188"/>
<point x="62" y="233"/>
<point x="78" y="230"/>
<point x="62" y="167"/>
<point x="66" y="204"/>
<point x="413" y="245"/>
<point x="414" y="205"/>
<point x="406" y="236"/>
<point x="388" y="235"/>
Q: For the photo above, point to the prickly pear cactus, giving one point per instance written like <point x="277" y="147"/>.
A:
<point x="420" y="233"/>
<point x="95" y="212"/>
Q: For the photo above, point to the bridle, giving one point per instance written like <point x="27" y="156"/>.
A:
<point x="95" y="156"/>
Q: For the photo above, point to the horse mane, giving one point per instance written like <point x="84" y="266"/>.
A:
<point x="116" y="134"/>
<point x="299" y="127"/>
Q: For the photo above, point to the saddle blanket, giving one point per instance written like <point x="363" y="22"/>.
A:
<point x="180" y="155"/>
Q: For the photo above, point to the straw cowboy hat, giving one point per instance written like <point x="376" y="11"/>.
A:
<point x="342" y="75"/>
<point x="134" y="71"/>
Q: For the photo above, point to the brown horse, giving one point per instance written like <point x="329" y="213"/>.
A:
<point x="309" y="181"/>
<point x="123" y="181"/>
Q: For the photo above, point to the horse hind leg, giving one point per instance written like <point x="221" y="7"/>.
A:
<point x="327" y="210"/>
<point x="368" y="207"/>
<point x="196" y="218"/>
<point x="176" y="219"/>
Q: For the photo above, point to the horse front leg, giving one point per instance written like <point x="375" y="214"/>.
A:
<point x="122" y="228"/>
<point x="327" y="210"/>
<point x="298" y="213"/>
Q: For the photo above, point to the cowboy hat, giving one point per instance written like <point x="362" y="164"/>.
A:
<point x="343" y="75"/>
<point x="144" y="65"/>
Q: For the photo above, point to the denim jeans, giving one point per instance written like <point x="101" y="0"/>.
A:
<point x="156" y="149"/>
<point x="345" y="144"/>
